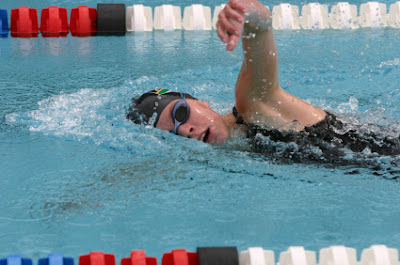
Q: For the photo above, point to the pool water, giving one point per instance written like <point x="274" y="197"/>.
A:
<point x="76" y="176"/>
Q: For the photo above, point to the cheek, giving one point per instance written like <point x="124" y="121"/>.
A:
<point x="202" y="116"/>
<point x="165" y="124"/>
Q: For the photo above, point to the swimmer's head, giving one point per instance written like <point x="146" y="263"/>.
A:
<point x="179" y="113"/>
<point x="151" y="104"/>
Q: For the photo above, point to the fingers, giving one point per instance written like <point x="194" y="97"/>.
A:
<point x="237" y="5"/>
<point x="234" y="14"/>
<point x="222" y="34"/>
<point x="231" y="20"/>
<point x="232" y="42"/>
<point x="230" y="39"/>
<point x="230" y="23"/>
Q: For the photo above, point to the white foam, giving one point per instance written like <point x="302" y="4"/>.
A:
<point x="395" y="61"/>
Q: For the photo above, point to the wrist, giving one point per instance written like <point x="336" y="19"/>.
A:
<point x="257" y="16"/>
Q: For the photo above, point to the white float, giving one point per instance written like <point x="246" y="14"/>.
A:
<point x="379" y="255"/>
<point x="197" y="17"/>
<point x="285" y="16"/>
<point x="167" y="17"/>
<point x="297" y="256"/>
<point x="139" y="18"/>
<point x="343" y="16"/>
<point x="394" y="15"/>
<point x="256" y="256"/>
<point x="373" y="15"/>
<point x="338" y="255"/>
<point x="217" y="10"/>
<point x="314" y="16"/>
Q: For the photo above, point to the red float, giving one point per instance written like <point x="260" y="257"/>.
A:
<point x="24" y="22"/>
<point x="180" y="257"/>
<point x="138" y="257"/>
<point x="54" y="22"/>
<point x="97" y="258"/>
<point x="83" y="21"/>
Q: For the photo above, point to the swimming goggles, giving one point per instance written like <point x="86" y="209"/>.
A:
<point x="180" y="113"/>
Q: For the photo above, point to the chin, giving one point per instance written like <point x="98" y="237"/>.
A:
<point x="220" y="136"/>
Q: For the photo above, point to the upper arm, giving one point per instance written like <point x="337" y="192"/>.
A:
<point x="258" y="77"/>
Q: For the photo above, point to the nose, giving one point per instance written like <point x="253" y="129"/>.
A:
<point x="187" y="130"/>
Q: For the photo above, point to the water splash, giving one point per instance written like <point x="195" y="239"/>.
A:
<point x="394" y="62"/>
<point x="98" y="116"/>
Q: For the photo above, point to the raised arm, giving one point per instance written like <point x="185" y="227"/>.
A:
<point x="258" y="77"/>
<point x="258" y="92"/>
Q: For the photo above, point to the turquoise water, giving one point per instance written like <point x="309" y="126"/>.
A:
<point x="76" y="176"/>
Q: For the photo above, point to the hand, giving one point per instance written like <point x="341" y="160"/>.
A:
<point x="230" y="23"/>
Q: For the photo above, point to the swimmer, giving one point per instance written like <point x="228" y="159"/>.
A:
<point x="262" y="106"/>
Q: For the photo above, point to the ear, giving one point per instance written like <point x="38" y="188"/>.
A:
<point x="205" y="103"/>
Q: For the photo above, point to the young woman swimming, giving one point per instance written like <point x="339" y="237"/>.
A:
<point x="262" y="106"/>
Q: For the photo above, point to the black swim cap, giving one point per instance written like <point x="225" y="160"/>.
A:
<point x="154" y="101"/>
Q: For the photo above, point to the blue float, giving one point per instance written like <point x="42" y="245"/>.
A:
<point x="3" y="23"/>
<point x="15" y="260"/>
<point x="56" y="259"/>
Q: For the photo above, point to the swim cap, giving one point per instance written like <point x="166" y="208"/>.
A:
<point x="154" y="101"/>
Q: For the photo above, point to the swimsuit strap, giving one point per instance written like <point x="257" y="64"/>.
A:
<point x="239" y="119"/>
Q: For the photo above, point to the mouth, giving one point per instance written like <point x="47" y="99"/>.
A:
<point x="205" y="136"/>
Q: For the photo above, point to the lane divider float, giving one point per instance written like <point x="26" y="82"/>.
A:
<point x="83" y="21"/>
<point x="3" y="23"/>
<point x="97" y="258"/>
<point x="111" y="19"/>
<point x="116" y="19"/>
<point x="218" y="256"/>
<point x="54" y="22"/>
<point x="24" y="22"/>
<point x="138" y="257"/>
<point x="295" y="255"/>
<point x="15" y="260"/>
<point x="180" y="257"/>
<point x="56" y="259"/>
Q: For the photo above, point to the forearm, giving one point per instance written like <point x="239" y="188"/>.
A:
<point x="257" y="36"/>
<point x="259" y="44"/>
<point x="258" y="77"/>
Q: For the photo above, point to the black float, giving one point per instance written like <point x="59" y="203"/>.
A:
<point x="218" y="256"/>
<point x="111" y="19"/>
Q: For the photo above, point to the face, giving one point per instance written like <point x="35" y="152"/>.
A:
<point x="203" y="123"/>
